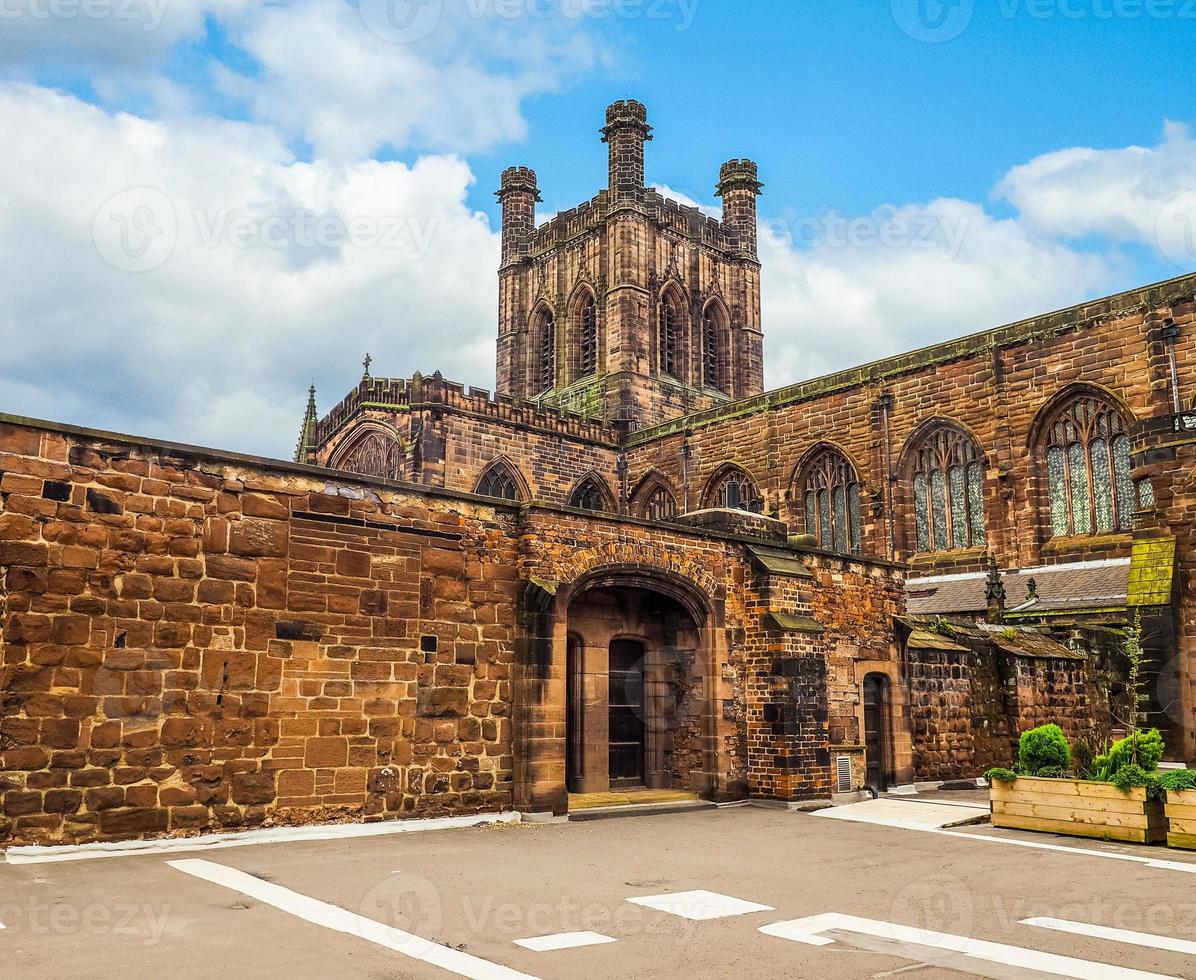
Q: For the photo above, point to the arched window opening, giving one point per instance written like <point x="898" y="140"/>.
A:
<point x="735" y="490"/>
<point x="499" y="481"/>
<point x="590" y="495"/>
<point x="712" y="350"/>
<point x="670" y="335"/>
<point x="546" y="352"/>
<point x="948" y="491"/>
<point x="831" y="494"/>
<point x="1088" y="470"/>
<point x="661" y="505"/>
<point x="374" y="454"/>
<point x="587" y="336"/>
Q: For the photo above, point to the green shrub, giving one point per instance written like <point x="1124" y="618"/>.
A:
<point x="1043" y="748"/>
<point x="1082" y="758"/>
<point x="999" y="775"/>
<point x="1144" y="749"/>
<point x="1177" y="780"/>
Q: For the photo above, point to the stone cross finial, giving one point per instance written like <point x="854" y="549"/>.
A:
<point x="366" y="364"/>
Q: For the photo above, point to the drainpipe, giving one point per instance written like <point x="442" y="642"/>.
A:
<point x="1170" y="336"/>
<point x="885" y="402"/>
<point x="621" y="468"/>
<point x="686" y="453"/>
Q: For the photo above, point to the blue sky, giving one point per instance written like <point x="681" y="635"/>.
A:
<point x="1040" y="149"/>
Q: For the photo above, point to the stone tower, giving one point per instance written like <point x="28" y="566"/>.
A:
<point x="631" y="307"/>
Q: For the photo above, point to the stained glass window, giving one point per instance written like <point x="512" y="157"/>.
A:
<point x="831" y="492"/>
<point x="1145" y="495"/>
<point x="1088" y="469"/>
<point x="948" y="490"/>
<point x="735" y="490"/>
<point x="499" y="481"/>
<point x="587" y="338"/>
<point x="590" y="495"/>
<point x="661" y="505"/>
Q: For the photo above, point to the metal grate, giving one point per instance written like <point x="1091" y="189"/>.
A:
<point x="843" y="773"/>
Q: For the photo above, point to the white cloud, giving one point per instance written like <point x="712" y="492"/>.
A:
<point x="217" y="344"/>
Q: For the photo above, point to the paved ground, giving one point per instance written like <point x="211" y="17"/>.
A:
<point x="889" y="899"/>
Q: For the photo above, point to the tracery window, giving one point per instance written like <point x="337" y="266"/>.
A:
<point x="735" y="490"/>
<point x="670" y="334"/>
<point x="712" y="349"/>
<point x="948" y="488"/>
<point x="587" y="337"/>
<point x="1088" y="470"/>
<point x="499" y="481"/>
<point x="374" y="455"/>
<point x="661" y="505"/>
<point x="831" y="494"/>
<point x="546" y="353"/>
<point x="590" y="495"/>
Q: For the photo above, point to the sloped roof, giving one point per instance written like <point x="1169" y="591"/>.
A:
<point x="1079" y="585"/>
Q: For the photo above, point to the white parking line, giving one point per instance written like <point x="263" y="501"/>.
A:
<point x="1146" y="939"/>
<point x="810" y="931"/>
<point x="563" y="940"/>
<point x="700" y="905"/>
<point x="1189" y="867"/>
<point x="340" y="920"/>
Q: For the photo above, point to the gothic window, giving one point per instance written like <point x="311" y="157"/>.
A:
<point x="373" y="455"/>
<point x="735" y="490"/>
<point x="713" y="355"/>
<point x="661" y="505"/>
<point x="1088" y="470"/>
<point x="670" y="335"/>
<point x="587" y="336"/>
<point x="546" y="352"/>
<point x="831" y="495"/>
<point x="590" y="494"/>
<point x="499" y="481"/>
<point x="948" y="485"/>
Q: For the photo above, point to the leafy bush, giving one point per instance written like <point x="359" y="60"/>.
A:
<point x="1130" y="777"/>
<point x="1144" y="749"/>
<point x="1082" y="758"/>
<point x="1177" y="780"/>
<point x="999" y="775"/>
<point x="1043" y="748"/>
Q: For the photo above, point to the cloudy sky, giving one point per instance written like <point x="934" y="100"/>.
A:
<point x="207" y="205"/>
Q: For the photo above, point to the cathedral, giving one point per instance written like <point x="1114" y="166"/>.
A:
<point x="628" y="568"/>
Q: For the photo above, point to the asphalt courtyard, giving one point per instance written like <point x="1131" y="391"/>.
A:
<point x="740" y="891"/>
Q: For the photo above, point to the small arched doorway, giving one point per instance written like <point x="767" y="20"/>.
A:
<point x="877" y="730"/>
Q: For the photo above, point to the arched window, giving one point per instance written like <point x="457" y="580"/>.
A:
<point x="948" y="489"/>
<point x="831" y="495"/>
<point x="733" y="489"/>
<point x="713" y="351"/>
<point x="670" y="334"/>
<point x="499" y="481"/>
<point x="374" y="454"/>
<point x="590" y="494"/>
<point x="1088" y="469"/>
<point x="545" y="339"/>
<point x="661" y="505"/>
<point x="587" y="336"/>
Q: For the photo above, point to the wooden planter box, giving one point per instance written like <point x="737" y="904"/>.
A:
<point x="1181" y="815"/>
<point x="1079" y="808"/>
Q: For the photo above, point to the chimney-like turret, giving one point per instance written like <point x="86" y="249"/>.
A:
<point x="739" y="187"/>
<point x="519" y="196"/>
<point x="626" y="132"/>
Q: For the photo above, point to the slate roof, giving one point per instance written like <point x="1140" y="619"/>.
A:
<point x="1080" y="585"/>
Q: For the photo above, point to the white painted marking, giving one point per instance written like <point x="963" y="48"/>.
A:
<point x="1146" y="939"/>
<point x="700" y="905"/>
<point x="810" y="931"/>
<point x="1189" y="867"/>
<point x="275" y="835"/>
<point x="340" y="920"/>
<point x="563" y="940"/>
